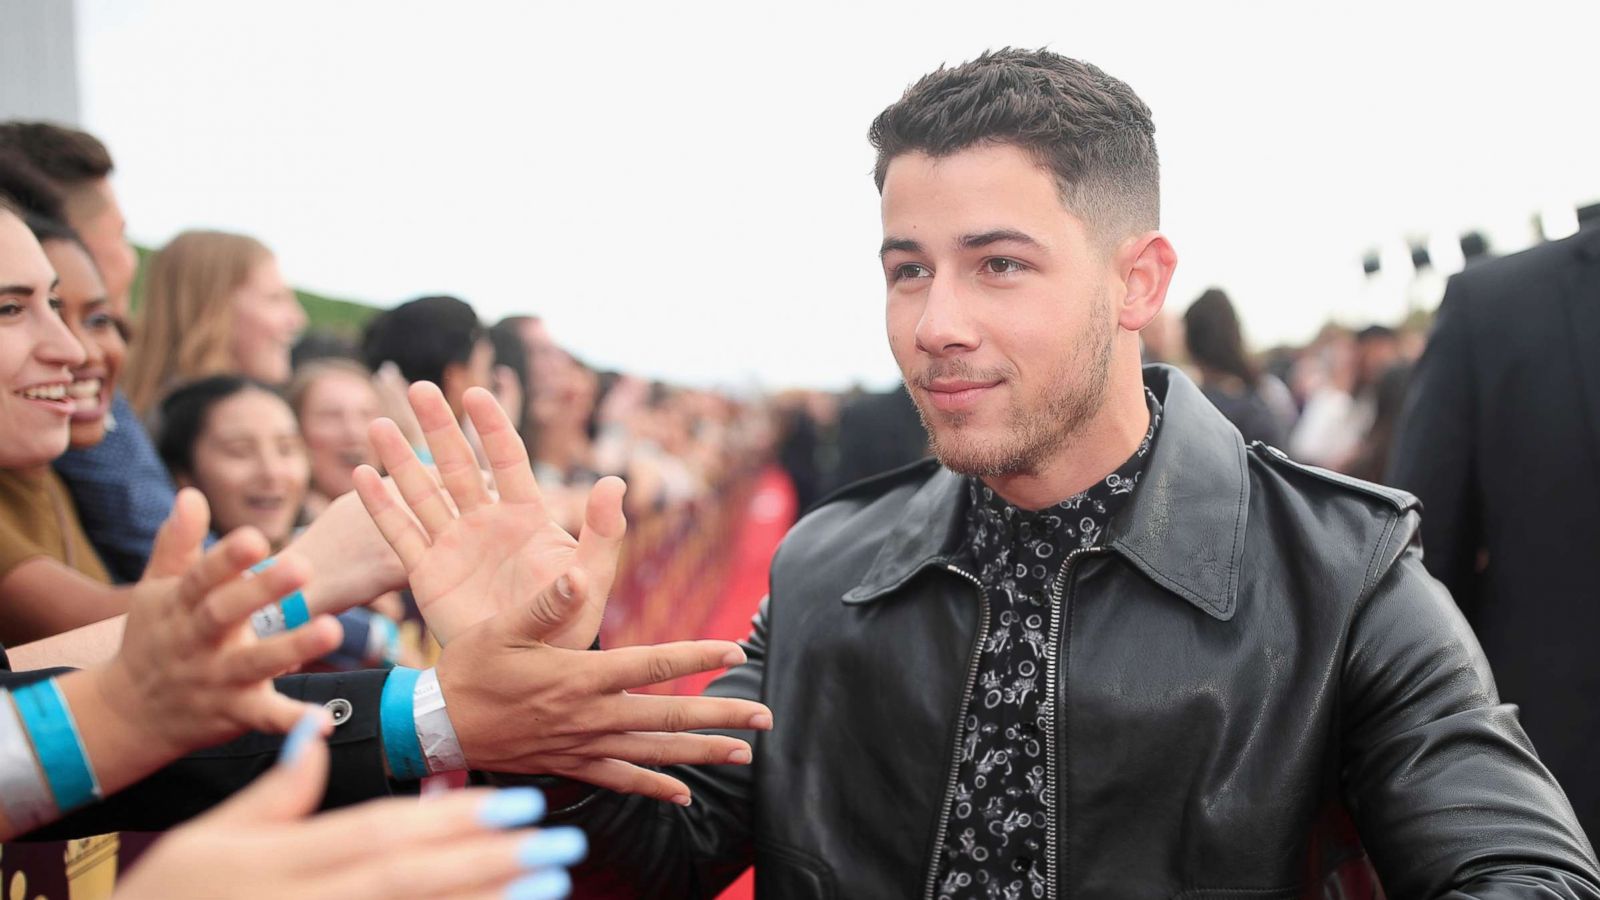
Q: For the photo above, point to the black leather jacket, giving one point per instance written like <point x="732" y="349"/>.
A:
<point x="1254" y="670"/>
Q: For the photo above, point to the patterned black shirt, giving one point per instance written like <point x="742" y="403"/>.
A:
<point x="995" y="839"/>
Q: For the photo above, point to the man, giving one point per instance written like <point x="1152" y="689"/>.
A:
<point x="1101" y="647"/>
<point x="1501" y="440"/>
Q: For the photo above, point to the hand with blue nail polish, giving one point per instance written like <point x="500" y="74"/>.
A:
<point x="264" y="843"/>
<point x="190" y="672"/>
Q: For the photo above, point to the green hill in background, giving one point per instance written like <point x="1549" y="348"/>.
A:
<point x="345" y="318"/>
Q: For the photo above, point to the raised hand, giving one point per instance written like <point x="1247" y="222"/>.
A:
<point x="190" y="670"/>
<point x="520" y="705"/>
<point x="476" y="554"/>
<point x="263" y="843"/>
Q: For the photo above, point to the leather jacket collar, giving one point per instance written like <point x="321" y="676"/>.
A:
<point x="1184" y="528"/>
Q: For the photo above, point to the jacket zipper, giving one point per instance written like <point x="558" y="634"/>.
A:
<point x="930" y="890"/>
<point x="1051" y="670"/>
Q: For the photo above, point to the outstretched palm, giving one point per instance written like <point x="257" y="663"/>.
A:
<point x="475" y="554"/>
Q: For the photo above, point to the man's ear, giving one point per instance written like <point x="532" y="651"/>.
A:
<point x="1147" y="263"/>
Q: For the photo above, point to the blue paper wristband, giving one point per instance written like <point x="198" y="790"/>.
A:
<point x="295" y="612"/>
<point x="292" y="605"/>
<point x="397" y="715"/>
<point x="45" y="715"/>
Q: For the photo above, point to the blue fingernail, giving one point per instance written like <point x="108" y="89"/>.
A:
<point x="300" y="736"/>
<point x="553" y="847"/>
<point x="512" y="806"/>
<point x="550" y="885"/>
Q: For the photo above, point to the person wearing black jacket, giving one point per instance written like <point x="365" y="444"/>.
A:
<point x="1500" y="440"/>
<point x="1101" y="646"/>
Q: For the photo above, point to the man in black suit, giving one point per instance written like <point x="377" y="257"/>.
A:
<point x="1501" y="441"/>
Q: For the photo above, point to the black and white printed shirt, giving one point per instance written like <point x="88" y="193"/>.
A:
<point x="995" y="839"/>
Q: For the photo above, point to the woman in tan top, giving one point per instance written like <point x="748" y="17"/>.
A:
<point x="60" y="356"/>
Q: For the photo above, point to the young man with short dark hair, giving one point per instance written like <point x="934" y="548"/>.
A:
<point x="1100" y="647"/>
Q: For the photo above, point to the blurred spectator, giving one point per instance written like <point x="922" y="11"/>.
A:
<point x="1227" y="376"/>
<point x="237" y="442"/>
<point x="320" y="343"/>
<point x="1371" y="457"/>
<point x="511" y="372"/>
<point x="334" y="401"/>
<point x="1500" y="439"/>
<point x="214" y="303"/>
<point x="1331" y="421"/>
<point x="435" y="339"/>
<point x="878" y="432"/>
<point x="72" y="172"/>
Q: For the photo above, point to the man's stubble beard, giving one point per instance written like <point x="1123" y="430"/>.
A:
<point x="1031" y="437"/>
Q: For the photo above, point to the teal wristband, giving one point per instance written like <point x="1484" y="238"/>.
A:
<point x="397" y="716"/>
<point x="295" y="612"/>
<point x="45" y="715"/>
<point x="292" y="611"/>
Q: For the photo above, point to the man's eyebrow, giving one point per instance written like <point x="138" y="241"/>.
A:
<point x="995" y="236"/>
<point x="19" y="290"/>
<point x="891" y="244"/>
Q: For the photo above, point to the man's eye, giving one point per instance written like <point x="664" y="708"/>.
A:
<point x="57" y="305"/>
<point x="10" y="309"/>
<point x="999" y="265"/>
<point x="910" y="270"/>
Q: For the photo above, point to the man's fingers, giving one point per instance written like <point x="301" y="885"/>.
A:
<point x="272" y="656"/>
<point x="233" y="554"/>
<point x="623" y="668"/>
<point x="626" y="778"/>
<point x="178" y="541"/>
<point x="508" y="457"/>
<point x="647" y="712"/>
<point x="658" y="749"/>
<point x="417" y="485"/>
<point x="452" y="454"/>
<point x="396" y="525"/>
<point x="600" y="540"/>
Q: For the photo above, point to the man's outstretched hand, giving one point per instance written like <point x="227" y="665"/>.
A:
<point x="476" y="554"/>
<point x="520" y="705"/>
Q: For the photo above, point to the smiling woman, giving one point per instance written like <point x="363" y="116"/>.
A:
<point x="237" y="442"/>
<point x="58" y="365"/>
<point x="214" y="303"/>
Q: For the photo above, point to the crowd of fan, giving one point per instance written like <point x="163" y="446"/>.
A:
<point x="203" y="376"/>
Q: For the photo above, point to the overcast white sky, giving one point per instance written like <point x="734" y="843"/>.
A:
<point x="683" y="190"/>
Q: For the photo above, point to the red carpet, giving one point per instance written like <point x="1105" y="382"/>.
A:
<point x="767" y="519"/>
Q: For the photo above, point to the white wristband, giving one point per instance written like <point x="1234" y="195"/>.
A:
<point x="24" y="794"/>
<point x="434" y="731"/>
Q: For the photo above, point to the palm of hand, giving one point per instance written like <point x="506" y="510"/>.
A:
<point x="495" y="558"/>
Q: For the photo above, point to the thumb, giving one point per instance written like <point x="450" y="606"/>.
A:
<point x="555" y="606"/>
<point x="290" y="790"/>
<point x="177" y="543"/>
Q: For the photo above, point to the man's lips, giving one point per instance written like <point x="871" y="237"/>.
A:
<point x="954" y="395"/>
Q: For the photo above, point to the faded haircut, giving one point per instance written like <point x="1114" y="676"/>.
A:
<point x="1090" y="130"/>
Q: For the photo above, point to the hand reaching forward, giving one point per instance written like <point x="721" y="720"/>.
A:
<point x="476" y="554"/>
<point x="520" y="705"/>
<point x="264" y="844"/>
<point x="190" y="670"/>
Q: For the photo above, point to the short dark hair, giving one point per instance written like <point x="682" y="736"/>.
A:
<point x="28" y="190"/>
<point x="422" y="337"/>
<point x="67" y="156"/>
<point x="183" y="413"/>
<point x="1090" y="130"/>
<point x="1215" y="339"/>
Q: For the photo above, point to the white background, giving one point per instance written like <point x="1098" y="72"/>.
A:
<point x="683" y="190"/>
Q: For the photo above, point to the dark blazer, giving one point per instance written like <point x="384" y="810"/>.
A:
<point x="203" y="779"/>
<point x="1500" y="439"/>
